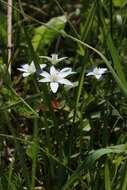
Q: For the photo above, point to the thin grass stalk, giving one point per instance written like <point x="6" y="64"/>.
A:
<point x="68" y="19"/>
<point x="9" y="33"/>
<point x="111" y="23"/>
<point x="35" y="152"/>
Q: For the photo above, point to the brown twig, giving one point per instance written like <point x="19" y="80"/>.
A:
<point x="9" y="25"/>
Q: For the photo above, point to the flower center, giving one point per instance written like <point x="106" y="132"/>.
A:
<point x="54" y="59"/>
<point x="96" y="72"/>
<point x="54" y="78"/>
<point x="30" y="69"/>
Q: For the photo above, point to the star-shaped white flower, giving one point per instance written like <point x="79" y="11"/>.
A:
<point x="56" y="77"/>
<point x="53" y="59"/>
<point x="30" y="69"/>
<point x="97" y="72"/>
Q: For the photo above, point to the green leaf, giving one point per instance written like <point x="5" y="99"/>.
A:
<point x="123" y="185"/>
<point x="107" y="177"/>
<point x="45" y="34"/>
<point x="90" y="161"/>
<point x="119" y="3"/>
<point x="115" y="56"/>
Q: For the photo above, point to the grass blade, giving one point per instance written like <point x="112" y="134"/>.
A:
<point x="107" y="176"/>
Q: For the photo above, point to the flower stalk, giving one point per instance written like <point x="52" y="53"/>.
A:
<point x="9" y="28"/>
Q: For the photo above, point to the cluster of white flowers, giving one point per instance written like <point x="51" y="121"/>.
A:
<point x="55" y="76"/>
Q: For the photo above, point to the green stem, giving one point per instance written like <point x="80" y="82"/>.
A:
<point x="35" y="152"/>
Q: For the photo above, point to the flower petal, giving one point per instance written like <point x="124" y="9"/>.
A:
<point x="54" y="86"/>
<point x="65" y="81"/>
<point x="53" y="71"/>
<point x="45" y="74"/>
<point x="90" y="73"/>
<point x="102" y="70"/>
<point x="98" y="76"/>
<point x="66" y="69"/>
<point x="26" y="74"/>
<point x="46" y="57"/>
<point x="65" y="74"/>
<point x="61" y="59"/>
<point x="42" y="66"/>
<point x="44" y="80"/>
<point x="21" y="69"/>
<point x="32" y="67"/>
<point x="25" y="66"/>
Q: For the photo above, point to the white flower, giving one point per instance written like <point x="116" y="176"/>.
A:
<point x="56" y="77"/>
<point x="119" y="19"/>
<point x="30" y="69"/>
<point x="27" y="69"/>
<point x="53" y="59"/>
<point x="97" y="72"/>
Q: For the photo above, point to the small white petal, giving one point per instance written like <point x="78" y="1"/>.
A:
<point x="61" y="59"/>
<point x="45" y="74"/>
<point x="65" y="81"/>
<point x="25" y="66"/>
<point x="45" y="80"/>
<point x="102" y="70"/>
<point x="66" y="69"/>
<point x="90" y="73"/>
<point x="54" y="86"/>
<point x="32" y="67"/>
<point x="32" y="63"/>
<point x="26" y="74"/>
<point x="98" y="76"/>
<point x="65" y="74"/>
<point x="42" y="66"/>
<point x="53" y="71"/>
<point x="21" y="69"/>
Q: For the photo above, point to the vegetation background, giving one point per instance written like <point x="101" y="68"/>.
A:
<point x="75" y="139"/>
